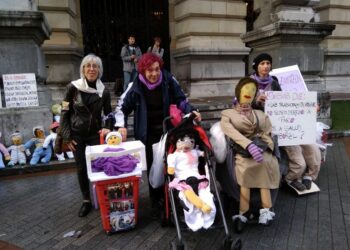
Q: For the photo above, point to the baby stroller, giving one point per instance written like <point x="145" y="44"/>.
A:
<point x="225" y="173"/>
<point x="204" y="168"/>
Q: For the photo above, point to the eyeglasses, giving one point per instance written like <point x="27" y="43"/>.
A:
<point x="91" y="66"/>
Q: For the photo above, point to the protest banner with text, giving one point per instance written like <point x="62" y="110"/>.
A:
<point x="293" y="116"/>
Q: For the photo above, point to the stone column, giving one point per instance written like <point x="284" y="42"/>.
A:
<point x="22" y="32"/>
<point x="207" y="53"/>
<point x="64" y="50"/>
<point x="336" y="73"/>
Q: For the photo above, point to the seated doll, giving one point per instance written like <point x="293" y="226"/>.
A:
<point x="40" y="153"/>
<point x="17" y="150"/>
<point x="199" y="207"/>
<point x="50" y="142"/>
<point x="4" y="153"/>
<point x="255" y="164"/>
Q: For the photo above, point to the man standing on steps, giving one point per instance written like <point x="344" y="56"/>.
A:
<point x="130" y="55"/>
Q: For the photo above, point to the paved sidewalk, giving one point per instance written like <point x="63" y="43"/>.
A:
<point x="36" y="211"/>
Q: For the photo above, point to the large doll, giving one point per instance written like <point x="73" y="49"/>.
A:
<point x="199" y="208"/>
<point x="40" y="153"/>
<point x="4" y="153"/>
<point x="255" y="164"/>
<point x="17" y="150"/>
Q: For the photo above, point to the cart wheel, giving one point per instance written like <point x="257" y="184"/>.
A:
<point x="177" y="245"/>
<point x="229" y="244"/>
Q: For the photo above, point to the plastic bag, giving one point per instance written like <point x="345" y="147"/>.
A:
<point x="218" y="141"/>
<point x="156" y="175"/>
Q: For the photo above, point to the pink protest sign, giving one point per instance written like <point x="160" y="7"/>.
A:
<point x="290" y="78"/>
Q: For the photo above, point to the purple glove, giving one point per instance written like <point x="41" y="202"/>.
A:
<point x="256" y="152"/>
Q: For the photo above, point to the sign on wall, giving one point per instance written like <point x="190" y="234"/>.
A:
<point x="20" y="90"/>
<point x="290" y="78"/>
<point x="293" y="116"/>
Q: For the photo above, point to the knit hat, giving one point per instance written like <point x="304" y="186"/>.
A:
<point x="261" y="57"/>
<point x="16" y="134"/>
<point x="38" y="128"/>
<point x="114" y="133"/>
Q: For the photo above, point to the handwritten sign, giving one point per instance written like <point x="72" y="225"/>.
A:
<point x="293" y="116"/>
<point x="290" y="78"/>
<point x="20" y="90"/>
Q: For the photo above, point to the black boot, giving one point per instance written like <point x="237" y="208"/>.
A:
<point x="85" y="208"/>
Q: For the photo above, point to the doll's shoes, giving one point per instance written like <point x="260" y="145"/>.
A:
<point x="205" y="208"/>
<point x="266" y="216"/>
<point x="307" y="181"/>
<point x="239" y="222"/>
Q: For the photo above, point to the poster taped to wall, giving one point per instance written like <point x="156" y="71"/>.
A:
<point x="20" y="90"/>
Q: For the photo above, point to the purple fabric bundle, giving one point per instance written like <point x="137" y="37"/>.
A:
<point x="113" y="166"/>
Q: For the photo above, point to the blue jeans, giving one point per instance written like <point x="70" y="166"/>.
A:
<point x="2" y="165"/>
<point x="41" y="153"/>
<point x="129" y="77"/>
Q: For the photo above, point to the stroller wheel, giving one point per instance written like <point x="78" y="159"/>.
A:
<point x="229" y="244"/>
<point x="177" y="245"/>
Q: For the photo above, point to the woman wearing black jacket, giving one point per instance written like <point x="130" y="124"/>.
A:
<point x="81" y="120"/>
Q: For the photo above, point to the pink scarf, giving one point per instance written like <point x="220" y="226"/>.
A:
<point x="149" y="85"/>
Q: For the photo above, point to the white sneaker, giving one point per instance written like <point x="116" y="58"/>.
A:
<point x="266" y="216"/>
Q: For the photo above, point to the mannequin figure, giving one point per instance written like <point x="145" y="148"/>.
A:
<point x="255" y="164"/>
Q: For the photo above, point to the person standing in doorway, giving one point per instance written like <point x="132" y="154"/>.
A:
<point x="156" y="48"/>
<point x="130" y="55"/>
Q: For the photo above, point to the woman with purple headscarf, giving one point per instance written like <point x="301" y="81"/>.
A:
<point x="149" y="97"/>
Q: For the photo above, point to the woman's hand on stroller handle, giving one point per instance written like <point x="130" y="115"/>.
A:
<point x="198" y="115"/>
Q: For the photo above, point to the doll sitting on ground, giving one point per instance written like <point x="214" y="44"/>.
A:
<point x="17" y="150"/>
<point x="255" y="164"/>
<point x="199" y="207"/>
<point x="40" y="153"/>
<point x="4" y="153"/>
<point x="50" y="142"/>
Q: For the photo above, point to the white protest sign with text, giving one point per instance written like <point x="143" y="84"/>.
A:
<point x="20" y="90"/>
<point x="293" y="116"/>
<point x="290" y="78"/>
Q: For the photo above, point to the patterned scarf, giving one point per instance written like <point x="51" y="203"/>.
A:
<point x="149" y="85"/>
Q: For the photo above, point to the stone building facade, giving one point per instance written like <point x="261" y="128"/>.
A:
<point x="212" y="42"/>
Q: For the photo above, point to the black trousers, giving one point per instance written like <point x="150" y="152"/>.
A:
<point x="156" y="194"/>
<point x="80" y="160"/>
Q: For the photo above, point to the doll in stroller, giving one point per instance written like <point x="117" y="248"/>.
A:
<point x="251" y="161"/>
<point x="189" y="172"/>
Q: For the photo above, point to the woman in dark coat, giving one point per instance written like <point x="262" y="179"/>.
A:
<point x="81" y="120"/>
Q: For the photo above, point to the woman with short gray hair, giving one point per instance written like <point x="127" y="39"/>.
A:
<point x="81" y="120"/>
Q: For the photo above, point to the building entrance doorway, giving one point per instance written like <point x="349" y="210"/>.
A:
<point x="106" y="25"/>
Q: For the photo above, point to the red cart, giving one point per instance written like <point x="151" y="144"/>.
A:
<point x="117" y="195"/>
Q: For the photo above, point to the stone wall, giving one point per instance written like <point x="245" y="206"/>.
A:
<point x="206" y="49"/>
